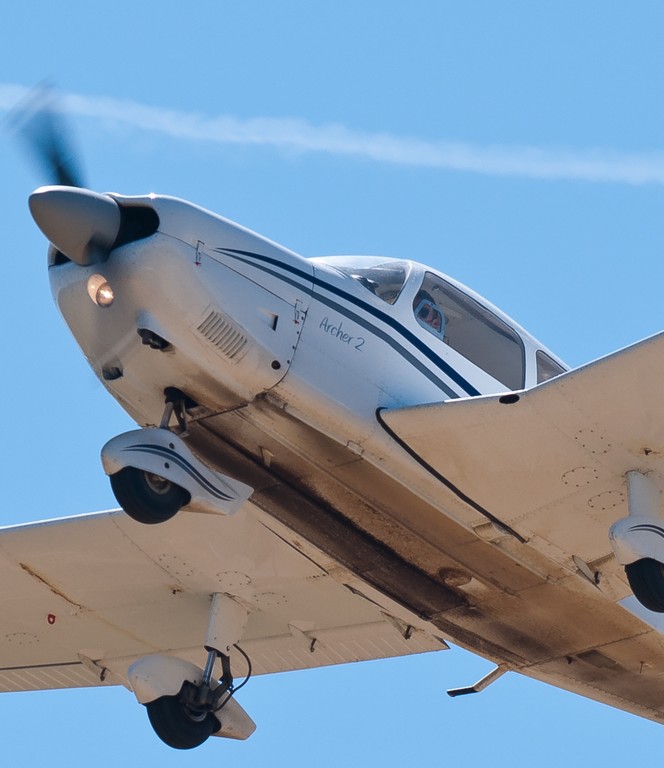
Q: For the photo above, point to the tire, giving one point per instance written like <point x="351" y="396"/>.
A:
<point x="146" y="497"/>
<point x="646" y="578"/>
<point x="179" y="727"/>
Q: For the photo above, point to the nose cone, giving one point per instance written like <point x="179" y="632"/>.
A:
<point x="80" y="223"/>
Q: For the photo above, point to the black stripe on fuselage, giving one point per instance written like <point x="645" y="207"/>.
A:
<point x="443" y="366"/>
<point x="405" y="333"/>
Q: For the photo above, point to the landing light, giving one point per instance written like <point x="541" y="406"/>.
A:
<point x="100" y="291"/>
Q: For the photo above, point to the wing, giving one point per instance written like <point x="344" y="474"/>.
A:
<point x="548" y="466"/>
<point x="83" y="597"/>
<point x="551" y="461"/>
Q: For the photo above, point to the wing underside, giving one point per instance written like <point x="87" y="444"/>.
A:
<point x="550" y="462"/>
<point x="91" y="594"/>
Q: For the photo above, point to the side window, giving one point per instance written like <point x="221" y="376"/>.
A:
<point x="470" y="329"/>
<point x="547" y="368"/>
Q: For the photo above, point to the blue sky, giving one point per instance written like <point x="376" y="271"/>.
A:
<point x="516" y="146"/>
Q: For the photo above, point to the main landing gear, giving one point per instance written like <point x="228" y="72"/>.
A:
<point x="187" y="705"/>
<point x="153" y="473"/>
<point x="646" y="578"/>
<point x="179" y="721"/>
<point x="638" y="541"/>
<point x="186" y="720"/>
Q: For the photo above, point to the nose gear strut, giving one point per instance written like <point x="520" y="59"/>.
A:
<point x="176" y="403"/>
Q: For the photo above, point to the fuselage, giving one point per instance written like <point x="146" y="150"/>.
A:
<point x="244" y="316"/>
<point x="287" y="363"/>
<point x="241" y="324"/>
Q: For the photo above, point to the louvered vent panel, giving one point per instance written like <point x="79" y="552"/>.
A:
<point x="225" y="336"/>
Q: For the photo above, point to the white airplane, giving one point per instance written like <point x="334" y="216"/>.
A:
<point x="338" y="459"/>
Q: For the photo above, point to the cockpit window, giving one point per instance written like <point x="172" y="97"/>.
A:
<point x="384" y="279"/>
<point x="547" y="368"/>
<point x="471" y="329"/>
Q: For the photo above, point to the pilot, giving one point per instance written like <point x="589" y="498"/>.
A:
<point x="428" y="314"/>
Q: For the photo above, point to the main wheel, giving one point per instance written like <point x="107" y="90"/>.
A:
<point x="177" y="725"/>
<point x="147" y="497"/>
<point x="646" y="578"/>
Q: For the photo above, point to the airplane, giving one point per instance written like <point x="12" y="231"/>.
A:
<point x="338" y="459"/>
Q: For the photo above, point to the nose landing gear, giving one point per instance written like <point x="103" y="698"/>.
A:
<point x="154" y="474"/>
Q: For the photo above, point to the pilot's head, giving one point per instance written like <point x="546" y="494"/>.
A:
<point x="428" y="314"/>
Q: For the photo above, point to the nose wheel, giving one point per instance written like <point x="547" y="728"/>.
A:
<point x="147" y="497"/>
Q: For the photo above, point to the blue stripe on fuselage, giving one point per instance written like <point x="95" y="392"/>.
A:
<point x="445" y="367"/>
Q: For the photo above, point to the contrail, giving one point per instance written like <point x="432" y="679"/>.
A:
<point x="297" y="135"/>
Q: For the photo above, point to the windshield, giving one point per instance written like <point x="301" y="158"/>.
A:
<point x="383" y="277"/>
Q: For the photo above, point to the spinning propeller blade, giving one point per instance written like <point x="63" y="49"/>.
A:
<point x="84" y="226"/>
<point x="40" y="123"/>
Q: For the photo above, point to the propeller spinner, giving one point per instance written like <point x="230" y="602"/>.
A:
<point x="80" y="223"/>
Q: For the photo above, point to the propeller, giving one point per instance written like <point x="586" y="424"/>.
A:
<point x="39" y="121"/>
<point x="80" y="223"/>
<point x="83" y="225"/>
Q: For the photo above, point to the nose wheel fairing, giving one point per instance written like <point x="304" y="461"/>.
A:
<point x="155" y="455"/>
